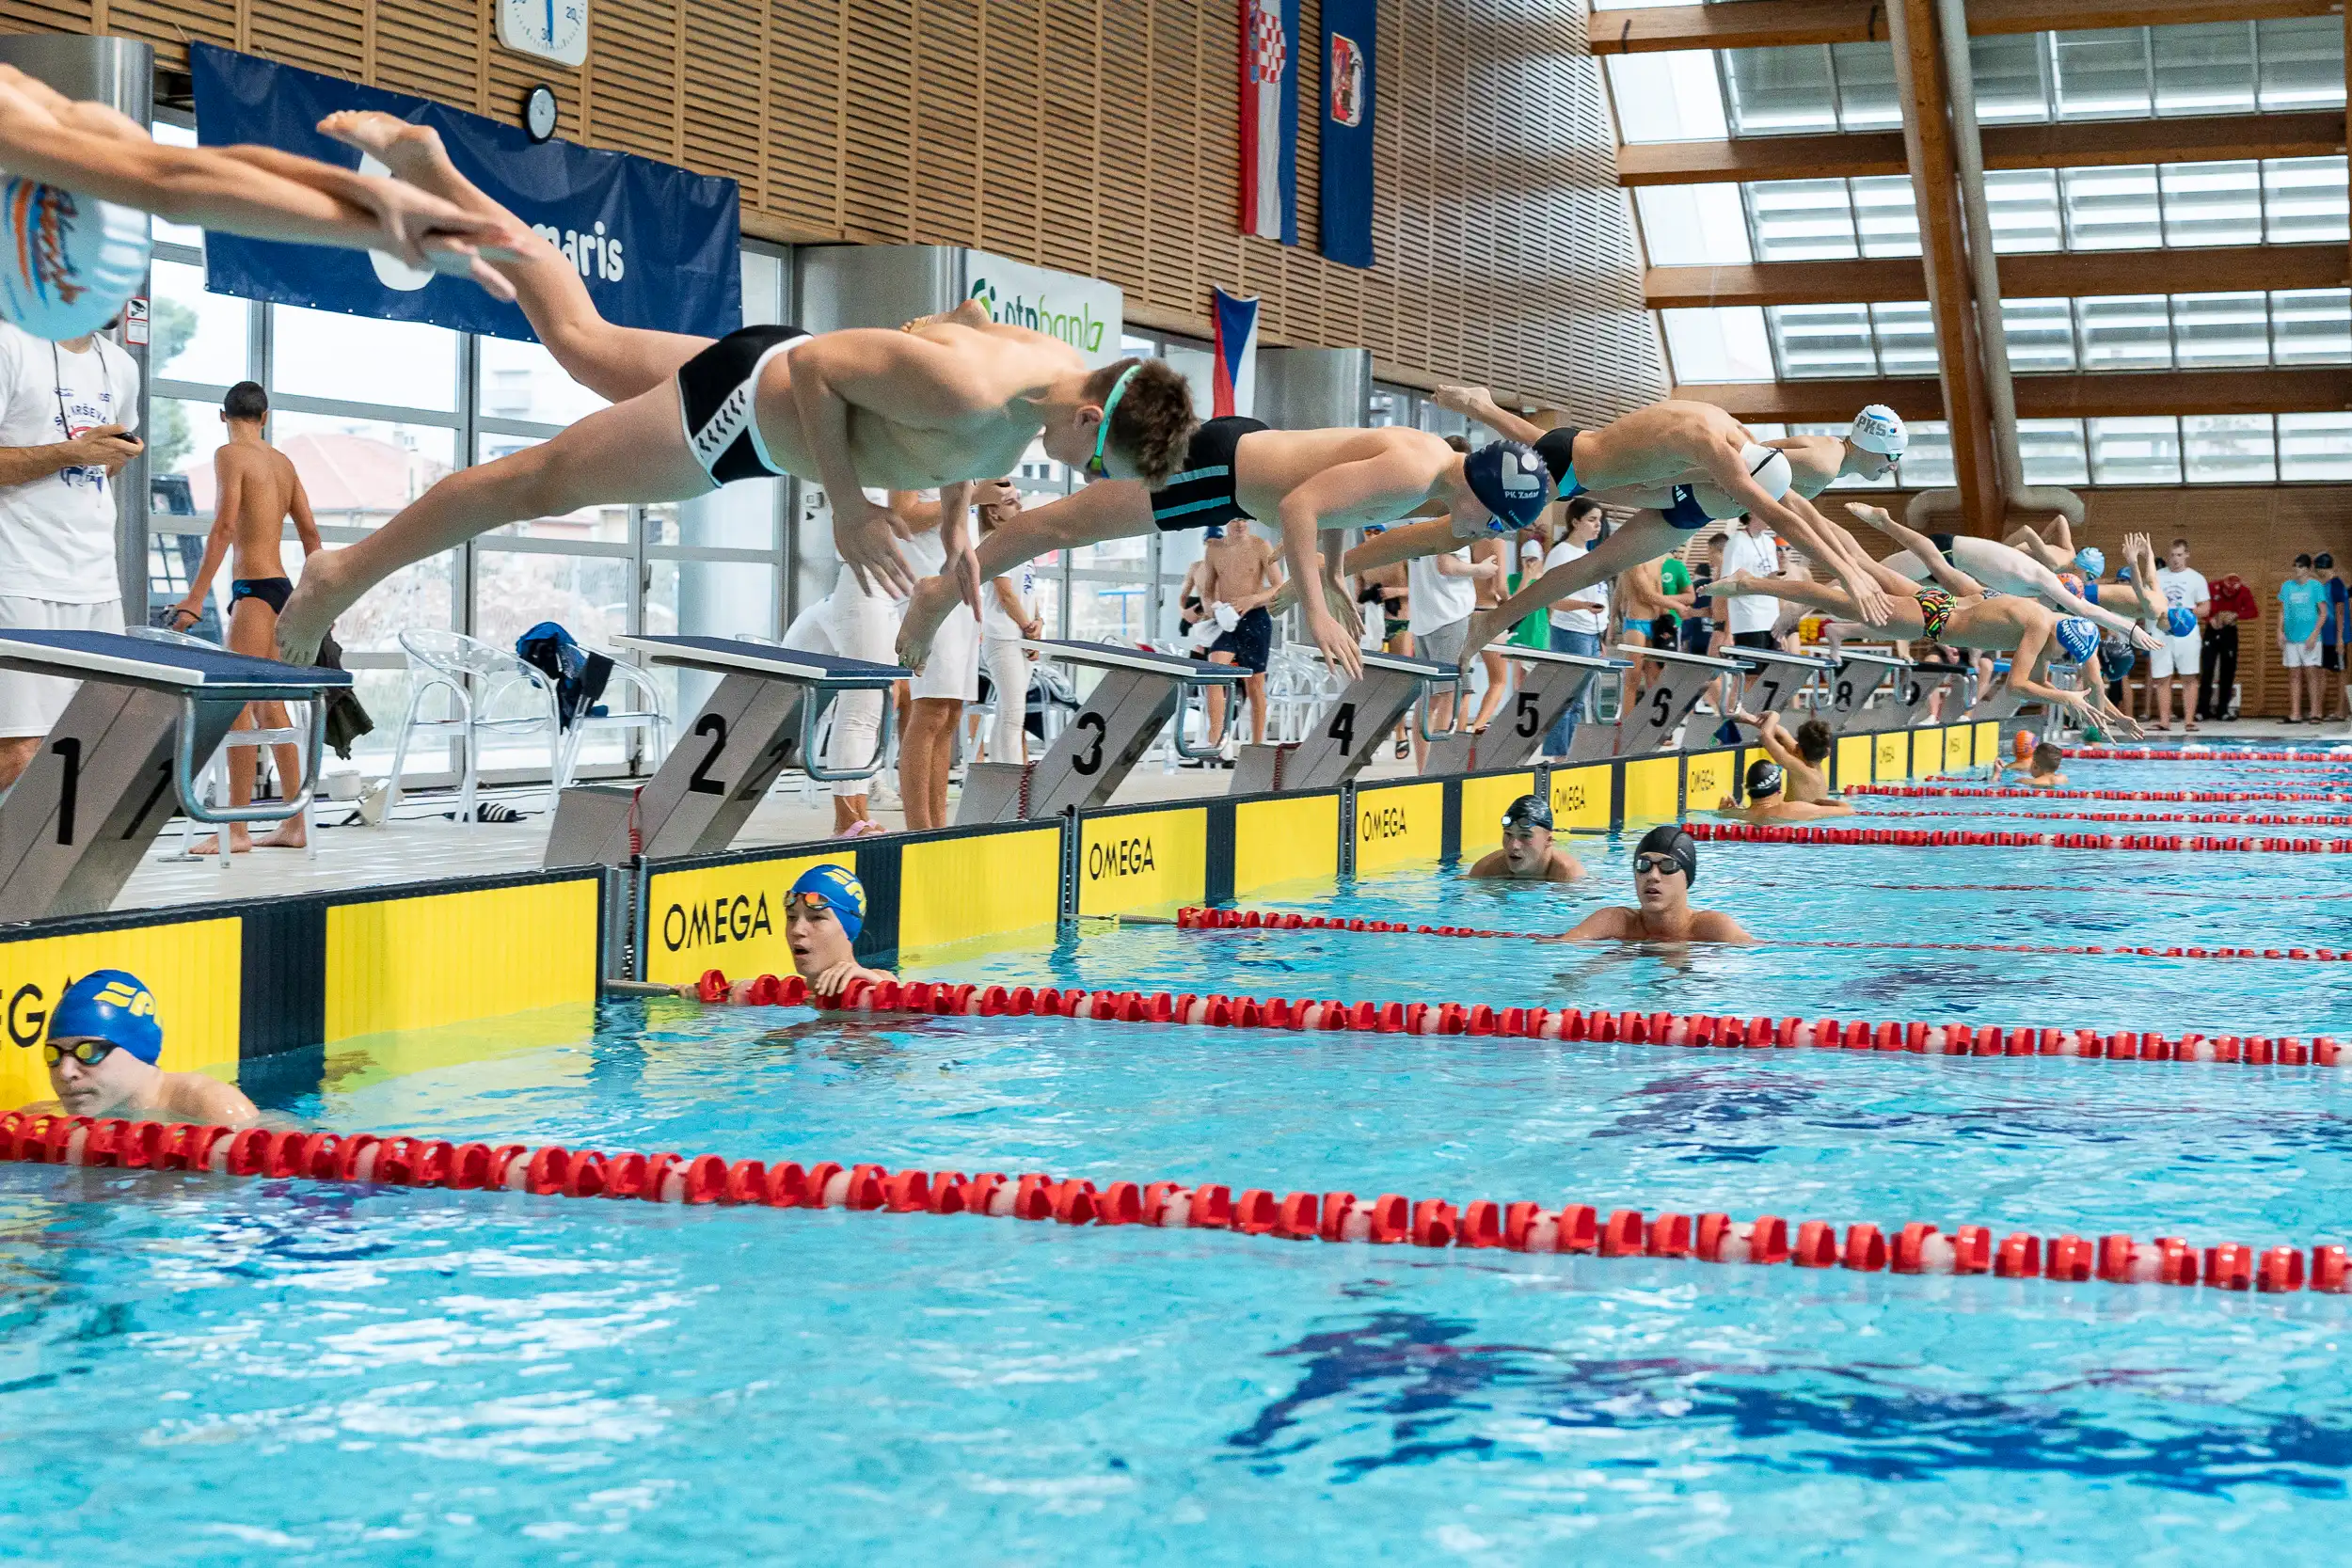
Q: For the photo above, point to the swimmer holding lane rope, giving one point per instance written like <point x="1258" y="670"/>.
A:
<point x="1665" y="866"/>
<point x="80" y="178"/>
<point x="105" y="1041"/>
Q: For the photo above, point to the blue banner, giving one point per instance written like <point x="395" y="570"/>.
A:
<point x="658" y="247"/>
<point x="1348" y="51"/>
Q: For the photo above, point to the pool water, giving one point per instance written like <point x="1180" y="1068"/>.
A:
<point x="221" y="1370"/>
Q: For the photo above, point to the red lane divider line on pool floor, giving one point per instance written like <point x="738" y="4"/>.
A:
<point x="1745" y="833"/>
<point x="2249" y="819"/>
<point x="1388" y="1219"/>
<point x="1278" y="920"/>
<point x="2185" y="797"/>
<point x="1693" y="1030"/>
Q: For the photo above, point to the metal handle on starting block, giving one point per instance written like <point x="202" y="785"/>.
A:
<point x="813" y="709"/>
<point x="1183" y="702"/>
<point x="185" y="766"/>
<point x="1420" y="705"/>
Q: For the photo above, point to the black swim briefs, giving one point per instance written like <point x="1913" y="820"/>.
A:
<point x="1557" y="448"/>
<point x="715" y="390"/>
<point x="1200" y="495"/>
<point x="272" y="592"/>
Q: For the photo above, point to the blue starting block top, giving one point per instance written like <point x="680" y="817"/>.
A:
<point x="725" y="656"/>
<point x="1114" y="655"/>
<point x="105" y="655"/>
<point x="1428" y="669"/>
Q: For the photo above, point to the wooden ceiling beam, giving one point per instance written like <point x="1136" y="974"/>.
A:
<point x="1779" y="24"/>
<point x="2051" y="275"/>
<point x="2114" y="394"/>
<point x="2080" y="144"/>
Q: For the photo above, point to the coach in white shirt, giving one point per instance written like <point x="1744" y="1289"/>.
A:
<point x="65" y="413"/>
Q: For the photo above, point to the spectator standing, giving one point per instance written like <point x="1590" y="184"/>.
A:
<point x="2302" y="605"/>
<point x="1753" y="618"/>
<point x="1579" y="621"/>
<point x="2179" y="653"/>
<point x="2335" y="632"/>
<point x="1009" y="615"/>
<point x="2232" y="606"/>
<point x="67" y="413"/>
<point x="1444" y="593"/>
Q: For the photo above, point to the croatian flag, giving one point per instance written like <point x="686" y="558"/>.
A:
<point x="1269" y="119"/>
<point x="1236" y="389"/>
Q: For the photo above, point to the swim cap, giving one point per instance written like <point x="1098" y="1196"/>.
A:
<point x="2078" y="637"/>
<point x="843" y="891"/>
<point x="1509" y="481"/>
<point x="2072" y="583"/>
<point x="1215" y="530"/>
<point x="71" y="261"/>
<point x="2180" y="621"/>
<point x="1880" y="429"/>
<point x="1668" y="838"/>
<point x="1529" y="811"/>
<point x="110" y="1005"/>
<point x="2122" y="573"/>
<point x="1765" y="777"/>
<point x="2092" y="560"/>
<point x="2114" y="662"/>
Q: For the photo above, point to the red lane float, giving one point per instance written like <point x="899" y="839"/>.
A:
<point x="2250" y="819"/>
<point x="1390" y="1219"/>
<point x="1274" y="920"/>
<point x="2169" y="753"/>
<point x="2185" y="797"/>
<point x="1451" y="1018"/>
<point x="1744" y="833"/>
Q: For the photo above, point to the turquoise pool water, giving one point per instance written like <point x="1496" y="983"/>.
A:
<point x="221" y="1370"/>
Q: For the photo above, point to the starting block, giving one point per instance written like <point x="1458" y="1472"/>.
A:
<point x="1917" y="687"/>
<point x="1516" y="735"/>
<point x="1779" y="679"/>
<point x="144" y="723"/>
<point x="768" y="704"/>
<point x="1349" y="734"/>
<point x="1649" y="725"/>
<point x="1857" y="679"/>
<point x="1140" y="692"/>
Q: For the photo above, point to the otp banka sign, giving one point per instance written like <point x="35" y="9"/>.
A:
<point x="1085" y="313"/>
<point x="658" y="247"/>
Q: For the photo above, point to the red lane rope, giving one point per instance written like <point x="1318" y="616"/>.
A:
<point x="2185" y="797"/>
<point x="1697" y="1030"/>
<point x="2251" y="819"/>
<point x="2148" y="754"/>
<point x="2045" y="887"/>
<point x="1389" y="1219"/>
<point x="1278" y="920"/>
<point x="1737" y="833"/>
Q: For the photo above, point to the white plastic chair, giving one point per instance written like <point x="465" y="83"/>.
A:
<point x="215" y="780"/>
<point x="479" y="677"/>
<point x="630" y="682"/>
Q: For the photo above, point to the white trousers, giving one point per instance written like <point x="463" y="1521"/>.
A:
<point x="1008" y="671"/>
<point x="849" y="622"/>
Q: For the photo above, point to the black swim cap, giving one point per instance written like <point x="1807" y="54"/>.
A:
<point x="1668" y="838"/>
<point x="1764" y="776"/>
<point x="1527" y="811"/>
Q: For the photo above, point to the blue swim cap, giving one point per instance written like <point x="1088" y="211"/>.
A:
<point x="1215" y="530"/>
<point x="110" y="1005"/>
<point x="842" y="891"/>
<point x="2092" y="561"/>
<point x="2179" y="622"/>
<point x="1509" y="481"/>
<point x="2122" y="573"/>
<point x="2078" y="637"/>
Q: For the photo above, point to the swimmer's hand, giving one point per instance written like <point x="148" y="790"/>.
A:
<point x="1739" y="584"/>
<point x="861" y="537"/>
<point x="2143" y="639"/>
<point x="1871" y="603"/>
<point x="1341" y="652"/>
<point x="835" y="980"/>
<point x="1464" y="400"/>
<point x="426" y="232"/>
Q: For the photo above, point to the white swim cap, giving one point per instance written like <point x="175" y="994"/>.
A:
<point x="1880" y="429"/>
<point x="71" y="261"/>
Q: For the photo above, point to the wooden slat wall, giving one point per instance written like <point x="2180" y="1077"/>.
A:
<point x="1094" y="136"/>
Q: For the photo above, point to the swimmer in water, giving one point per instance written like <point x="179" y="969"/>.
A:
<point x="2041" y="765"/>
<point x="1528" y="854"/>
<point x="1799" y="756"/>
<point x="104" y="1040"/>
<point x="1665" y="866"/>
<point x="78" y="175"/>
<point x="822" y="915"/>
<point x="1768" y="799"/>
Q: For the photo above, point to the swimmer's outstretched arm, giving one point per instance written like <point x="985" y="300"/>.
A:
<point x="1403" y="543"/>
<point x="1375" y="489"/>
<point x="1479" y="404"/>
<point x="1840" y="552"/>
<point x="1105" y="510"/>
<point x="1947" y="576"/>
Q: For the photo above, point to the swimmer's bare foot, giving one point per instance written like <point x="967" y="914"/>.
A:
<point x="240" y="842"/>
<point x="317" y="599"/>
<point x="927" y="606"/>
<point x="293" y="833"/>
<point x="410" y="152"/>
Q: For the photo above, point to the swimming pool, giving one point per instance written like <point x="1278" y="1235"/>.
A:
<point x="323" y="1371"/>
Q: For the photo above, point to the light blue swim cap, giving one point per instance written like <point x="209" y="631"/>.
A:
<point x="67" y="262"/>
<point x="2179" y="622"/>
<point x="110" y="1005"/>
<point x="2078" y="638"/>
<point x="841" y="890"/>
<point x="2091" y="559"/>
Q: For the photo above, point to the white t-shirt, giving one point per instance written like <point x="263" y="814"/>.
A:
<point x="57" y="533"/>
<point x="1586" y="609"/>
<point x="2184" y="589"/>
<point x="995" y="621"/>
<point x="1747" y="552"/>
<point x="1438" y="600"/>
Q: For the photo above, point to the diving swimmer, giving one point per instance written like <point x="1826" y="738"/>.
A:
<point x="1528" y="853"/>
<point x="1665" y="868"/>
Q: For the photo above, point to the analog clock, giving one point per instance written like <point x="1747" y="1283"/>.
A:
<point x="551" y="29"/>
<point x="539" y="112"/>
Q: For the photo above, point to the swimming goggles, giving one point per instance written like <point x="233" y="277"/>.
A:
<point x="812" y="901"/>
<point x="89" y="1052"/>
<point x="1103" y="432"/>
<point x="1660" y="863"/>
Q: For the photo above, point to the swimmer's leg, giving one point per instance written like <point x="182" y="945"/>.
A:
<point x="633" y="451"/>
<point x="614" y="362"/>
